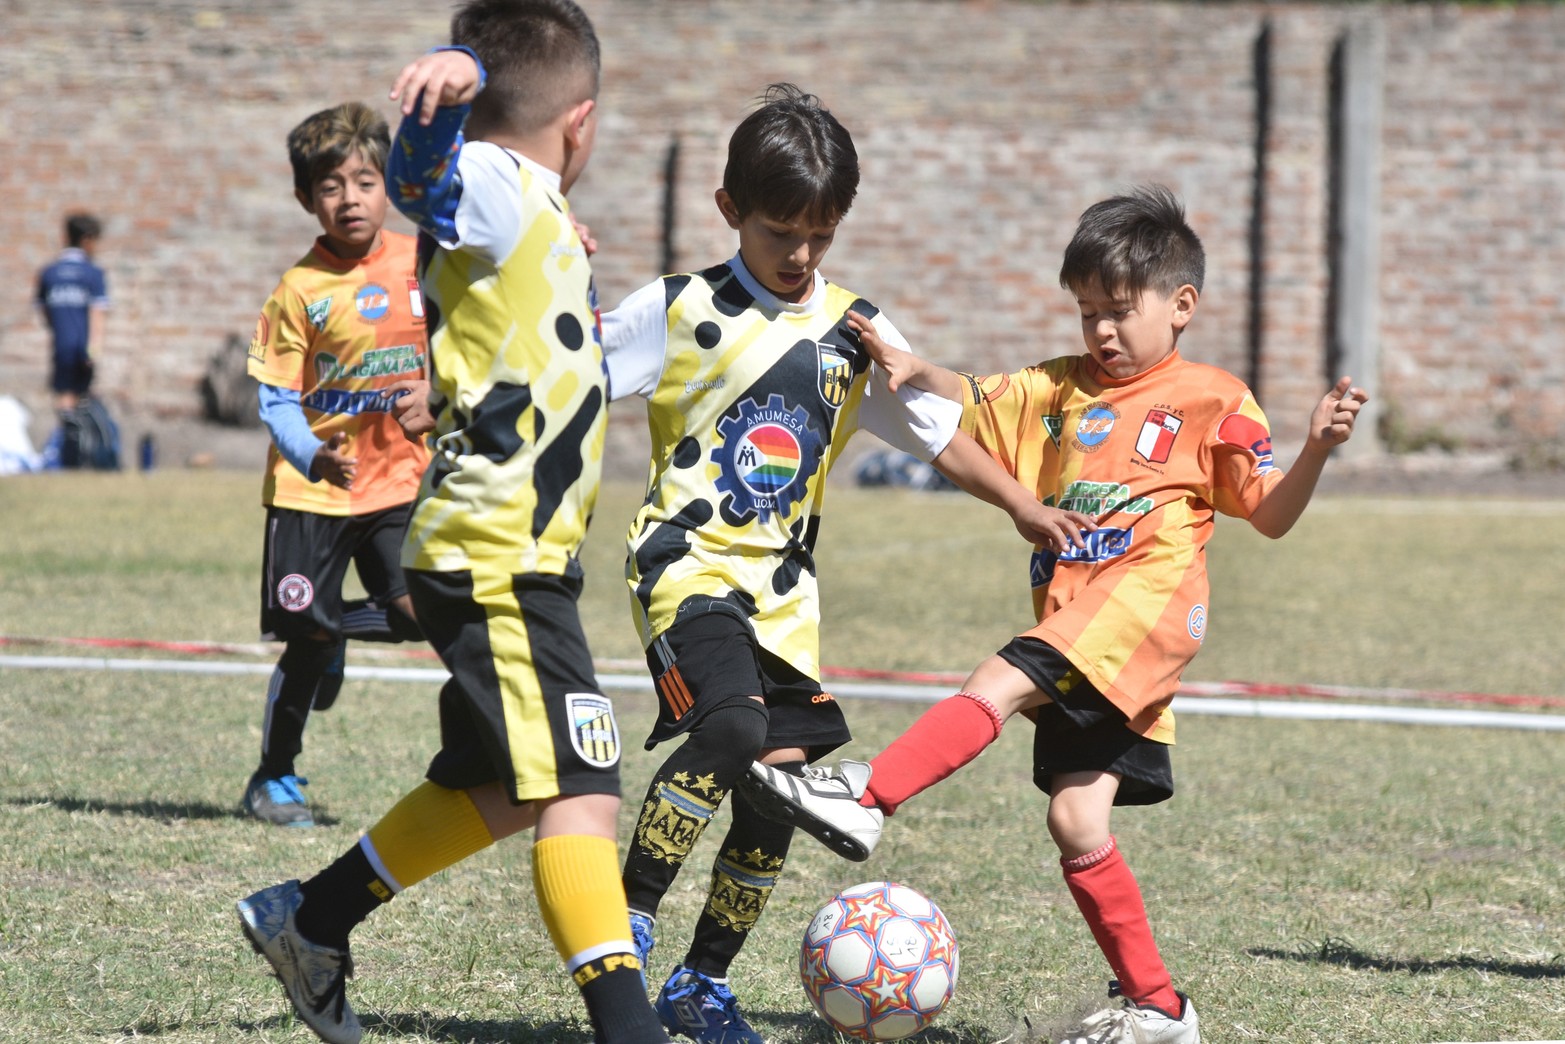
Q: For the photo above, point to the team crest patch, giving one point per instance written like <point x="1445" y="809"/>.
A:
<point x="1054" y="427"/>
<point x="317" y="311"/>
<point x="373" y="302"/>
<point x="1096" y="422"/>
<point x="1156" y="440"/>
<point x="1196" y="622"/>
<point x="415" y="299"/>
<point x="594" y="732"/>
<point x="1249" y="434"/>
<point x="766" y="457"/>
<point x="295" y="593"/>
<point x="836" y="374"/>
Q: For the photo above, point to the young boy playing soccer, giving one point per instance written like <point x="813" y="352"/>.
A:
<point x="345" y="323"/>
<point x="527" y="738"/>
<point x="754" y="382"/>
<point x="1152" y="447"/>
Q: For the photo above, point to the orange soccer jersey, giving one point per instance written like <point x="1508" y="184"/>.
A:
<point x="339" y="331"/>
<point x="1152" y="457"/>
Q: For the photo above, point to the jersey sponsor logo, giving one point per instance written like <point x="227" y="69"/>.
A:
<point x="394" y="361"/>
<point x="415" y="299"/>
<point x="1041" y="569"/>
<point x="317" y="311"/>
<point x="295" y="593"/>
<point x="1157" y="436"/>
<point x="337" y="401"/>
<point x="1247" y="433"/>
<point x="373" y="302"/>
<point x="1195" y="623"/>
<point x="1101" y="544"/>
<point x="594" y="732"/>
<point x="766" y="457"/>
<point x="1096" y="422"/>
<point x="836" y="374"/>
<point x="1054" y="427"/>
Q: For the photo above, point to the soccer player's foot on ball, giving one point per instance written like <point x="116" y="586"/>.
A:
<point x="641" y="937"/>
<point x="1138" y="1024"/>
<point x="823" y="803"/>
<point x="314" y="976"/>
<point x="278" y="799"/>
<point x="703" y="1009"/>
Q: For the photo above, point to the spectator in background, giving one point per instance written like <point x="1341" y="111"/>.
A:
<point x="73" y="295"/>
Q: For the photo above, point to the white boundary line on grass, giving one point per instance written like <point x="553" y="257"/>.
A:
<point x="1230" y="708"/>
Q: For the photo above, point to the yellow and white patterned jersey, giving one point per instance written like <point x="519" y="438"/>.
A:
<point x="338" y="331"/>
<point x="1153" y="457"/>
<point x="518" y="382"/>
<point x="751" y="401"/>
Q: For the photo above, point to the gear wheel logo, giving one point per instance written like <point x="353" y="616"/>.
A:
<point x="766" y="457"/>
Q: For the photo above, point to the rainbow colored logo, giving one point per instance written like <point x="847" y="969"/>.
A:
<point x="765" y="457"/>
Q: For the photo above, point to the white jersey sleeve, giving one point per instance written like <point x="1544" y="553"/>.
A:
<point x="489" y="210"/>
<point x="910" y="419"/>
<point x="635" y="342"/>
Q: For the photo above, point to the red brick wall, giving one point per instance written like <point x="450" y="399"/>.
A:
<point x="983" y="128"/>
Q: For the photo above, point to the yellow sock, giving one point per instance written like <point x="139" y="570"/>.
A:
<point x="430" y="829"/>
<point x="577" y="880"/>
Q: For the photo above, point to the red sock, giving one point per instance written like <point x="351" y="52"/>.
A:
<point x="1106" y="893"/>
<point x="948" y="735"/>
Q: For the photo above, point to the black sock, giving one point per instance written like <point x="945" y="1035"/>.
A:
<point x="338" y="898"/>
<point x="288" y="698"/>
<point x="617" y="1002"/>
<point x="747" y="867"/>
<point x="685" y="794"/>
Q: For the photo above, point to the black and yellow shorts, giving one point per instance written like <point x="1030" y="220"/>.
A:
<point x="711" y="658"/>
<point x="1081" y="731"/>
<point x="522" y="705"/>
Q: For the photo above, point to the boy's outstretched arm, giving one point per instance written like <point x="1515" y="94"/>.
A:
<point x="906" y="368"/>
<point x="1330" y="424"/>
<point x="435" y="91"/>
<point x="964" y="462"/>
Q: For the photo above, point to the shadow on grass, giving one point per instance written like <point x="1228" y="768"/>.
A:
<point x="1343" y="954"/>
<point x="160" y="811"/>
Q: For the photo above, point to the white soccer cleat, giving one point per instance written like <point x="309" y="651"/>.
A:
<point x="314" y="976"/>
<point x="1131" y="1024"/>
<point x="824" y="803"/>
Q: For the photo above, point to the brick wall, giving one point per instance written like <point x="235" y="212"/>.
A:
<point x="984" y="129"/>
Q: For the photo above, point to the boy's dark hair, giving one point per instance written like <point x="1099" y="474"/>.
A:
<point x="80" y="227"/>
<point x="1135" y="242"/>
<point x="792" y="157"/>
<point x="540" y="56"/>
<point x="319" y="145"/>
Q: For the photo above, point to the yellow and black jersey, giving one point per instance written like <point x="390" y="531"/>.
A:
<point x="518" y="381"/>
<point x="751" y="400"/>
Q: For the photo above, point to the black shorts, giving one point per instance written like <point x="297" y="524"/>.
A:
<point x="1081" y="731"/>
<point x="711" y="658"/>
<point x="306" y="559"/>
<point x="71" y="372"/>
<point x="522" y="705"/>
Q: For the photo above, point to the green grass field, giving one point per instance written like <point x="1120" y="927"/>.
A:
<point x="1311" y="881"/>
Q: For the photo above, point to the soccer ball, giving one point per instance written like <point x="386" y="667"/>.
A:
<point x="879" y="961"/>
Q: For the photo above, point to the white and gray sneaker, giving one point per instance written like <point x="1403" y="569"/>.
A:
<point x="314" y="976"/>
<point x="823" y="803"/>
<point x="1132" y="1024"/>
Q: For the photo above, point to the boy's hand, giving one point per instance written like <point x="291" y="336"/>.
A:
<point x="588" y="243"/>
<point x="1332" y="422"/>
<point x="410" y="408"/>
<point x="333" y="466"/>
<point x="1055" y="529"/>
<point x="900" y="366"/>
<point x="434" y="80"/>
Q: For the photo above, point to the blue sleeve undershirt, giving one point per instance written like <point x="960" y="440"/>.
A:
<point x="421" y="175"/>
<point x="284" y="418"/>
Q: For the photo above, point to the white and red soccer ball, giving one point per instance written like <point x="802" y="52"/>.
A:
<point x="879" y="961"/>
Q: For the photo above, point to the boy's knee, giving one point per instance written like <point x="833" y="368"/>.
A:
<point x="738" y="726"/>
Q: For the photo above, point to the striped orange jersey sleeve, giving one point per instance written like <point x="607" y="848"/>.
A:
<point x="1153" y="457"/>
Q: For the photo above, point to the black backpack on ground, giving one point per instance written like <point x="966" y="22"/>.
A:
<point x="89" y="438"/>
